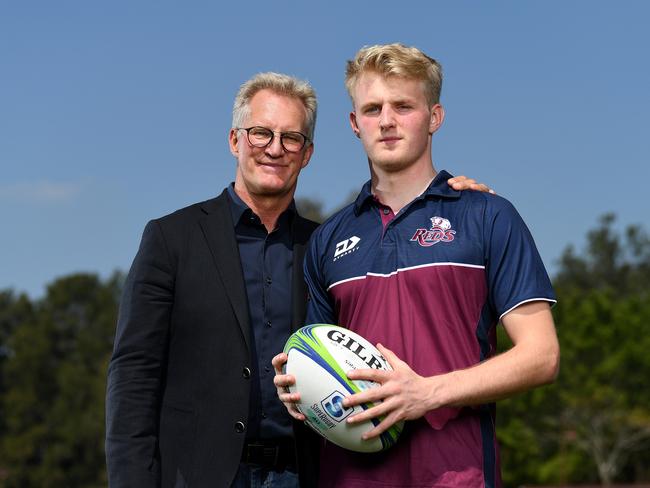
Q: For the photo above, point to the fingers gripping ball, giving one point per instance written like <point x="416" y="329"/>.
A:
<point x="319" y="356"/>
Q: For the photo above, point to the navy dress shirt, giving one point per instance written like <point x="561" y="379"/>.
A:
<point x="267" y="262"/>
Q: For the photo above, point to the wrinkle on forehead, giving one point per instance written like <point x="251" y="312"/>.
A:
<point x="277" y="112"/>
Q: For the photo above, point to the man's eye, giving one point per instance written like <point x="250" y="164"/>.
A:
<point x="291" y="137"/>
<point x="259" y="132"/>
<point x="371" y="110"/>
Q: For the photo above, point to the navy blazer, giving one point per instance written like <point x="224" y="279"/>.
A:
<point x="178" y="380"/>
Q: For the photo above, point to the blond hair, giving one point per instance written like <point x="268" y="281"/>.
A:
<point x="396" y="60"/>
<point x="281" y="84"/>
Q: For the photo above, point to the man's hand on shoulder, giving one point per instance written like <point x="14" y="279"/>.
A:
<point x="464" y="183"/>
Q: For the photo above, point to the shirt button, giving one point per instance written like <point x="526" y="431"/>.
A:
<point x="263" y="415"/>
<point x="267" y="369"/>
<point x="268" y="280"/>
<point x="240" y="427"/>
<point x="246" y="372"/>
<point x="386" y="211"/>
<point x="268" y="323"/>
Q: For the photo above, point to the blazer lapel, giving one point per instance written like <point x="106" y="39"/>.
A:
<point x="219" y="232"/>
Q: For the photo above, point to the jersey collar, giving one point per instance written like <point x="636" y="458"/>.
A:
<point x="437" y="188"/>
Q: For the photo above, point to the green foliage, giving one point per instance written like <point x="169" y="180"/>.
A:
<point x="54" y="381"/>
<point x="13" y="312"/>
<point x="313" y="209"/>
<point x="619" y="261"/>
<point x="593" y="424"/>
<point x="310" y="209"/>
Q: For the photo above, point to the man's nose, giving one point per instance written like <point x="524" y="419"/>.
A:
<point x="387" y="118"/>
<point x="275" y="148"/>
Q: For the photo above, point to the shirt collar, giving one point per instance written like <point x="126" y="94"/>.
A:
<point x="239" y="209"/>
<point x="437" y="188"/>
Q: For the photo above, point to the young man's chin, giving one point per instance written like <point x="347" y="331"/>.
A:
<point x="390" y="164"/>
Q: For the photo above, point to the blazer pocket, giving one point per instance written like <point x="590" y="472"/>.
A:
<point x="178" y="429"/>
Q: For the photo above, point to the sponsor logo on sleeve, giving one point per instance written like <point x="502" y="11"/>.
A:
<point x="440" y="231"/>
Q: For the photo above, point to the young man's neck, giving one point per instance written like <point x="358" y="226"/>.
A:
<point x="398" y="189"/>
<point x="267" y="207"/>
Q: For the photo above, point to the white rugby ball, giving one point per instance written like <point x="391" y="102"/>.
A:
<point x="319" y="357"/>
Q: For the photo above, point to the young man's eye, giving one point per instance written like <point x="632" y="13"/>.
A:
<point x="371" y="110"/>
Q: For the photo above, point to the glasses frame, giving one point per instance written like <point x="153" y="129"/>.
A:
<point x="275" y="133"/>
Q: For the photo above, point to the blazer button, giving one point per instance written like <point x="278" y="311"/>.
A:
<point x="246" y="372"/>
<point x="240" y="427"/>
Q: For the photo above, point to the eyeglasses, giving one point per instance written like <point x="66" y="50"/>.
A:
<point x="262" y="137"/>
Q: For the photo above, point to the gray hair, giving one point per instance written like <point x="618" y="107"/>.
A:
<point x="281" y="84"/>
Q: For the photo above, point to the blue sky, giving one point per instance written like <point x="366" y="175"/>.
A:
<point x="113" y="113"/>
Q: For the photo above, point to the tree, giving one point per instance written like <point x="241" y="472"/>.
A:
<point x="13" y="312"/>
<point x="604" y="395"/>
<point x="618" y="261"/>
<point x="310" y="209"/>
<point x="594" y="423"/>
<point x="313" y="209"/>
<point x="55" y="386"/>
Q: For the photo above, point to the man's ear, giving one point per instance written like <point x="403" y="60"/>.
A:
<point x="308" y="152"/>
<point x="437" y="116"/>
<point x="233" y="140"/>
<point x="353" y="124"/>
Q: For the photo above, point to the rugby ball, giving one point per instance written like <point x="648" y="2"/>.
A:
<point x="319" y="357"/>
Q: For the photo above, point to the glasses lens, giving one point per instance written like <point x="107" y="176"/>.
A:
<point x="293" y="141"/>
<point x="259" y="136"/>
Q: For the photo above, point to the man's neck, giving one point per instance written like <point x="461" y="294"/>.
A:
<point x="398" y="189"/>
<point x="267" y="207"/>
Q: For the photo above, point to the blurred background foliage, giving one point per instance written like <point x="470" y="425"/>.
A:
<point x="591" y="426"/>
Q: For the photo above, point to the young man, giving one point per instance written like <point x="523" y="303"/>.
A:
<point x="427" y="272"/>
<point x="215" y="289"/>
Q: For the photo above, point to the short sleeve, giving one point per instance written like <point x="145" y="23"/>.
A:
<point x="515" y="270"/>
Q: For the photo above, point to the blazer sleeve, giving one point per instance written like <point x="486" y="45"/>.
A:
<point x="134" y="386"/>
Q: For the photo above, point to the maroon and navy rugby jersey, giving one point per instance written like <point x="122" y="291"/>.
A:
<point x="430" y="283"/>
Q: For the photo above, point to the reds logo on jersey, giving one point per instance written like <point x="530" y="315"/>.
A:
<point x="440" y="231"/>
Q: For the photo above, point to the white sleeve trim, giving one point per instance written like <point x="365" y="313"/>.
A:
<point x="550" y="300"/>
